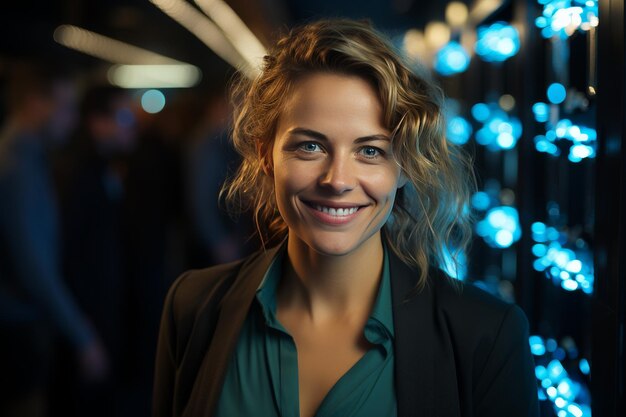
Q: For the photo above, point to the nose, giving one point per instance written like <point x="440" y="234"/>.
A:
<point x="339" y="176"/>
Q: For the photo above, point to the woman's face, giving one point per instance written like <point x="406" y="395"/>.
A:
<point x="334" y="173"/>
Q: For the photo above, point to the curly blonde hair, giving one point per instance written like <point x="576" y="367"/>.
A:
<point x="430" y="214"/>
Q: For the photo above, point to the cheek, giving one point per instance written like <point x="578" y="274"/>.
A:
<point x="382" y="186"/>
<point x="290" y="179"/>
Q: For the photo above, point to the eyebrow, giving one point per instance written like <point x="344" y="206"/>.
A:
<point x="322" y="137"/>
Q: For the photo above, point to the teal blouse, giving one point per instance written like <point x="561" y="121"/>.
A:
<point x="262" y="376"/>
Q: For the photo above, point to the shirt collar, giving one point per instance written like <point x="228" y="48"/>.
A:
<point x="266" y="293"/>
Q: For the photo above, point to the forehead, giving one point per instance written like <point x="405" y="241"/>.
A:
<point x="335" y="103"/>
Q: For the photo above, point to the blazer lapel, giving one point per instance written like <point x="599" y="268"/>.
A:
<point x="413" y="345"/>
<point x="234" y="309"/>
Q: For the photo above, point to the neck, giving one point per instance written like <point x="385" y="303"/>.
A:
<point x="328" y="287"/>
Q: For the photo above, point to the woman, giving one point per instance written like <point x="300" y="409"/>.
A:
<point x="346" y="166"/>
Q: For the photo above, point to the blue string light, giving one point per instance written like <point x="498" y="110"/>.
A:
<point x="497" y="42"/>
<point x="571" y="269"/>
<point x="451" y="59"/>
<point x="500" y="131"/>
<point x="570" y="397"/>
<point x="562" y="18"/>
<point x="556" y="93"/>
<point x="580" y="140"/>
<point x="500" y="228"/>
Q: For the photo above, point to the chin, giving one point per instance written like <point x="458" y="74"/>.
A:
<point x="332" y="244"/>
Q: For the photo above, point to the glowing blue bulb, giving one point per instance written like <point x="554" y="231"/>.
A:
<point x="153" y="101"/>
<point x="500" y="131"/>
<point x="451" y="59"/>
<point x="481" y="200"/>
<point x="538" y="228"/>
<point x="537" y="348"/>
<point x="574" y="266"/>
<point x="497" y="42"/>
<point x="555" y="370"/>
<point x="504" y="238"/>
<point x="575" y="410"/>
<point x="505" y="140"/>
<point x="541" y="112"/>
<point x="500" y="228"/>
<point x="569" y="285"/>
<point x="556" y="93"/>
<point x="458" y="130"/>
<point x="551" y="391"/>
<point x="561" y="18"/>
<point x="584" y="366"/>
<point x="579" y="152"/>
<point x="540" y="371"/>
<point x="480" y="112"/>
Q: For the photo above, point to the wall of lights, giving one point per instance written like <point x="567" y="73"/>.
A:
<point x="526" y="250"/>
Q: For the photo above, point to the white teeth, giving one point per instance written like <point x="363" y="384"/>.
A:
<point x="336" y="212"/>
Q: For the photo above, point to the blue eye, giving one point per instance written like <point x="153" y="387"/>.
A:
<point x="310" y="147"/>
<point x="370" y="152"/>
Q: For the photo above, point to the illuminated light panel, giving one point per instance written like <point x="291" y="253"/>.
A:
<point x="153" y="101"/>
<point x="242" y="38"/>
<point x="207" y="31"/>
<point x="108" y="49"/>
<point x="154" y="76"/>
<point x="497" y="42"/>
<point x="562" y="18"/>
<point x="483" y="8"/>
<point x="451" y="59"/>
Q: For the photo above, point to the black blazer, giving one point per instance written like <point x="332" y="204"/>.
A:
<point x="458" y="352"/>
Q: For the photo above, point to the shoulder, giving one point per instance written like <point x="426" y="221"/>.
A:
<point x="196" y="287"/>
<point x="467" y="300"/>
<point x="478" y="318"/>
<point x="202" y="290"/>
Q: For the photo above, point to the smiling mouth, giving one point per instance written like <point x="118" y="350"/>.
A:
<point x="334" y="211"/>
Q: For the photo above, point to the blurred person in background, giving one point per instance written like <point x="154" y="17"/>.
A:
<point x="93" y="179"/>
<point x="35" y="304"/>
<point x="209" y="158"/>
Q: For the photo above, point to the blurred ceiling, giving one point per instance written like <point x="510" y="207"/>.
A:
<point x="27" y="26"/>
